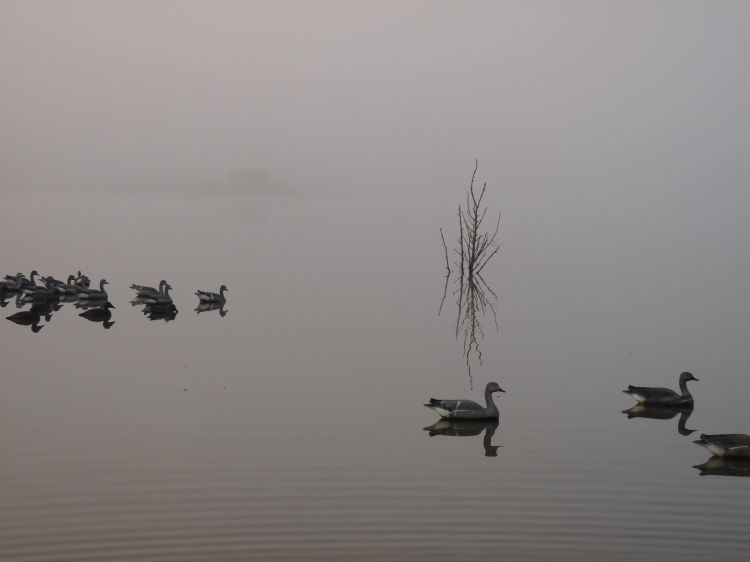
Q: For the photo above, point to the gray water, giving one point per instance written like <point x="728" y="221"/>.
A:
<point x="306" y="156"/>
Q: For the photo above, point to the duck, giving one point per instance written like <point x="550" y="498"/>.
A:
<point x="158" y="298"/>
<point x="30" y="287"/>
<point x="143" y="290"/>
<point x="205" y="296"/>
<point x="663" y="396"/>
<point x="726" y="445"/>
<point x="467" y="409"/>
<point x="94" y="294"/>
<point x="13" y="282"/>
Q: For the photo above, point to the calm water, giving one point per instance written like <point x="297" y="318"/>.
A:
<point x="292" y="427"/>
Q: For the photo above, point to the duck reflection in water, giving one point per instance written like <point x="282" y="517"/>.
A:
<point x="5" y="297"/>
<point x="166" y="312"/>
<point x="724" y="466"/>
<point x="101" y="313"/>
<point x="206" y="306"/>
<point x="662" y="413"/>
<point x="467" y="428"/>
<point x="33" y="316"/>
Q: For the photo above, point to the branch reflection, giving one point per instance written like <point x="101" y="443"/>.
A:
<point x="475" y="249"/>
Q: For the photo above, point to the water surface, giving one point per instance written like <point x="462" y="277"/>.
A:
<point x="292" y="427"/>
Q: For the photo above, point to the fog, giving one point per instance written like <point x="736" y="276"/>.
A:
<point x="306" y="154"/>
<point x="594" y="100"/>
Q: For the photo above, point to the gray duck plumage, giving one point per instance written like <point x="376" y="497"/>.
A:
<point x="467" y="409"/>
<point x="205" y="296"/>
<point x="663" y="396"/>
<point x="94" y="294"/>
<point x="144" y="291"/>
<point x="726" y="445"/>
<point x="162" y="298"/>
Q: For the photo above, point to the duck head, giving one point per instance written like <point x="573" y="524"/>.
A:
<point x="684" y="377"/>
<point x="493" y="387"/>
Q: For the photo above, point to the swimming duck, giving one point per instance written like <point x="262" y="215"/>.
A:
<point x="726" y="445"/>
<point x="205" y="296"/>
<point x="467" y="409"/>
<point x="663" y="396"/>
<point x="143" y="290"/>
<point x="158" y="298"/>
<point x="94" y="294"/>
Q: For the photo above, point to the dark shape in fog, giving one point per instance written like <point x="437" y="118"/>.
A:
<point x="663" y="396"/>
<point x="724" y="466"/>
<point x="726" y="445"/>
<point x="663" y="413"/>
<point x="101" y="313"/>
<point x="467" y="428"/>
<point x="206" y="306"/>
<point x="467" y="409"/>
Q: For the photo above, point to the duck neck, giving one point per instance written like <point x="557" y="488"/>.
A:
<point x="101" y="287"/>
<point x="489" y="400"/>
<point x="684" y="389"/>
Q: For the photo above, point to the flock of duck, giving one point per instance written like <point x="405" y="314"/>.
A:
<point x="654" y="402"/>
<point x="49" y="294"/>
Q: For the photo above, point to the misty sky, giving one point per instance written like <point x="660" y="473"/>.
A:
<point x="347" y="96"/>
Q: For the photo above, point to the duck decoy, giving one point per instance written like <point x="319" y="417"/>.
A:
<point x="663" y="396"/>
<point x="726" y="445"/>
<point x="81" y="280"/>
<point x="158" y="298"/>
<point x="94" y="294"/>
<point x="31" y="286"/>
<point x="465" y="428"/>
<point x="13" y="282"/>
<point x="205" y="296"/>
<point x="67" y="287"/>
<point x="467" y="409"/>
<point x="101" y="313"/>
<point x="725" y="466"/>
<point x="663" y="413"/>
<point x="143" y="290"/>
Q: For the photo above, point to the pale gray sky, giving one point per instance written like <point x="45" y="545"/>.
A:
<point x="386" y="95"/>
